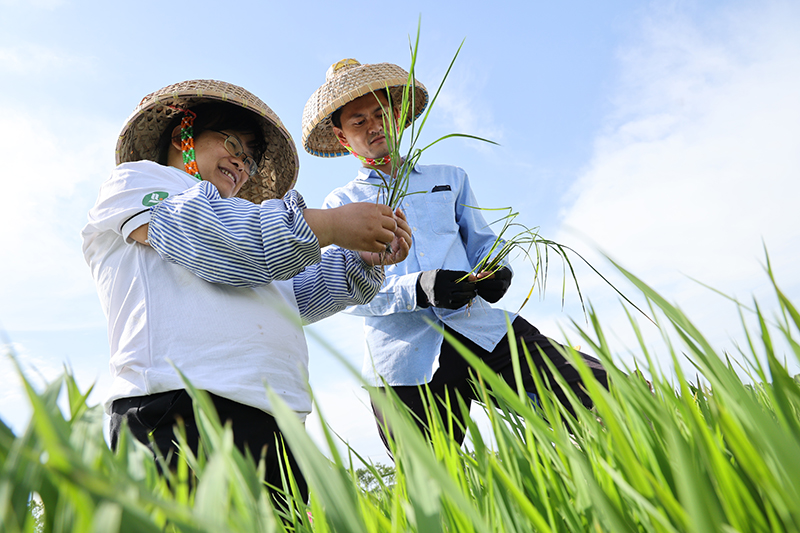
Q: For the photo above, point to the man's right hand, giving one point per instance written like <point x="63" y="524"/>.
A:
<point x="438" y="288"/>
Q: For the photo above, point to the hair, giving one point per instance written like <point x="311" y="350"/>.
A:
<point x="336" y="116"/>
<point x="217" y="116"/>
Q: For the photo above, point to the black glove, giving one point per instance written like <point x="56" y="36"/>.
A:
<point x="439" y="289"/>
<point x="493" y="289"/>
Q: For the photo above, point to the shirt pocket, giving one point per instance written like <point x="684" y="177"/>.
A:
<point x="441" y="212"/>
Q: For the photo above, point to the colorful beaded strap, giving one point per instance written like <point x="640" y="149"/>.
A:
<point x="187" y="142"/>
<point x="366" y="160"/>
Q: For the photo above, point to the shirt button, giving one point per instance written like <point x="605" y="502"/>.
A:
<point x="409" y="307"/>
<point x="422" y="254"/>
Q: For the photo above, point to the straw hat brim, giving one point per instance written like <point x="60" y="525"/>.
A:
<point x="344" y="85"/>
<point x="278" y="168"/>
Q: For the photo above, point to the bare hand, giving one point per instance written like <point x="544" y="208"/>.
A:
<point x="400" y="246"/>
<point x="361" y="226"/>
<point x="484" y="274"/>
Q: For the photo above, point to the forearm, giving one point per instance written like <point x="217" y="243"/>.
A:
<point x="140" y="234"/>
<point x="232" y="241"/>
<point x="339" y="280"/>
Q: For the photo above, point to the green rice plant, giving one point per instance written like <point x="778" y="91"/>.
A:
<point x="719" y="452"/>
<point x="536" y="250"/>
<point x="395" y="186"/>
<point x="712" y="456"/>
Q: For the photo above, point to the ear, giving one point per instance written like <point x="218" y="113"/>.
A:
<point x="176" y="138"/>
<point x="396" y="118"/>
<point x="339" y="134"/>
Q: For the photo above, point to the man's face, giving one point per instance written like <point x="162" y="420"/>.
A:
<point x="216" y="165"/>
<point x="362" y="125"/>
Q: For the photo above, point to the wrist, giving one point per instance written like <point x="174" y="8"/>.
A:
<point x="367" y="260"/>
<point x="321" y="224"/>
<point x="422" y="298"/>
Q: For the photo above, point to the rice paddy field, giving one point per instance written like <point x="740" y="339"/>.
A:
<point x="717" y="451"/>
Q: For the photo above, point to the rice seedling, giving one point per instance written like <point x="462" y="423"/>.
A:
<point x="395" y="185"/>
<point x="717" y="452"/>
<point x="536" y="250"/>
<point x="399" y="113"/>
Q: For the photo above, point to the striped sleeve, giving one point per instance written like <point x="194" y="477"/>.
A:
<point x="233" y="241"/>
<point x="340" y="280"/>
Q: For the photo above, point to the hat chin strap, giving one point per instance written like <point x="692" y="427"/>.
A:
<point x="187" y="142"/>
<point x="366" y="160"/>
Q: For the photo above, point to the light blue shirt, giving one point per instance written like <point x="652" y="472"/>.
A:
<point x="449" y="232"/>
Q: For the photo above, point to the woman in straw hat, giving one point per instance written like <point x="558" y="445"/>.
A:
<point x="206" y="262"/>
<point x="346" y="115"/>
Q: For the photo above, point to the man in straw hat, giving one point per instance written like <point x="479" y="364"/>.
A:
<point x="206" y="262"/>
<point x="346" y="115"/>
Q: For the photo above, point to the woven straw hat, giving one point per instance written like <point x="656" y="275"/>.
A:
<point x="277" y="170"/>
<point x="345" y="81"/>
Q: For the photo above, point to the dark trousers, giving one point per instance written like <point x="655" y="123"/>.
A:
<point x="453" y="376"/>
<point x="152" y="418"/>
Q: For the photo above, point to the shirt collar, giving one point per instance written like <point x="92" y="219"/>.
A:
<point x="365" y="173"/>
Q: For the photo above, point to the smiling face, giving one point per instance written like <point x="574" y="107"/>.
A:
<point x="216" y="165"/>
<point x="362" y="125"/>
<point x="213" y="123"/>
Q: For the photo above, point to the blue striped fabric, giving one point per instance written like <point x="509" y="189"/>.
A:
<point x="340" y="280"/>
<point x="238" y="243"/>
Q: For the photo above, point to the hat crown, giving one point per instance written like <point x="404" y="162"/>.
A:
<point x="339" y="65"/>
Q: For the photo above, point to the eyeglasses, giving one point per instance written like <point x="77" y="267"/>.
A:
<point x="234" y="147"/>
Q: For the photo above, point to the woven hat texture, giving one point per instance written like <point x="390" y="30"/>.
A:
<point x="277" y="170"/>
<point x="345" y="81"/>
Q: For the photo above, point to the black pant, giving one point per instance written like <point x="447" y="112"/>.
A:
<point x="453" y="376"/>
<point x="152" y="418"/>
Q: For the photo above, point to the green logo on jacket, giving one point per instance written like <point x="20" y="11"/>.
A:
<point x="153" y="198"/>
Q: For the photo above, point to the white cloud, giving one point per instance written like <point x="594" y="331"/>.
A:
<point x="699" y="162"/>
<point x="51" y="181"/>
<point x="40" y="371"/>
<point x="25" y="59"/>
<point x="458" y="108"/>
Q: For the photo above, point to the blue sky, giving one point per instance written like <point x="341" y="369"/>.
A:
<point x="663" y="133"/>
